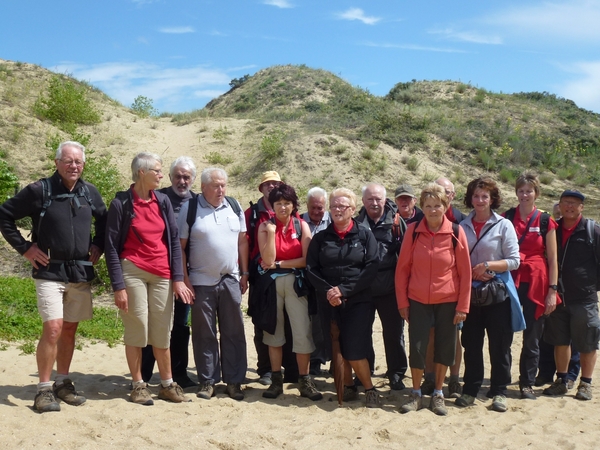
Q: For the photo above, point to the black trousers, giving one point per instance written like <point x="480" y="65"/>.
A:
<point x="532" y="335"/>
<point x="495" y="321"/>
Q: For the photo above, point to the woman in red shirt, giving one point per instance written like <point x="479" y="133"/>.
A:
<point x="283" y="243"/>
<point x="537" y="277"/>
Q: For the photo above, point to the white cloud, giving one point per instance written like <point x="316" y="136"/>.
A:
<point x="177" y="30"/>
<point x="585" y="90"/>
<point x="414" y="47"/>
<point x="278" y="3"/>
<point x="125" y="81"/>
<point x="358" y="14"/>
<point x="468" y="36"/>
<point x="570" y="19"/>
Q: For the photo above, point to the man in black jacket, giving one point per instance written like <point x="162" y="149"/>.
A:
<point x="576" y="318"/>
<point x="377" y="214"/>
<point x="62" y="252"/>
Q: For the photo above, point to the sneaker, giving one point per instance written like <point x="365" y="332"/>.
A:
<point x="206" y="391"/>
<point x="570" y="384"/>
<point x="414" y="403"/>
<point x="308" y="389"/>
<point x="427" y="387"/>
<point x="584" y="391"/>
<point x="185" y="382"/>
<point x="438" y="406"/>
<point x="45" y="401"/>
<point x="527" y="392"/>
<point x="67" y="393"/>
<point x="454" y="389"/>
<point x="234" y="390"/>
<point x="141" y="395"/>
<point x="265" y="379"/>
<point x="396" y="384"/>
<point x="173" y="393"/>
<point x="350" y="393"/>
<point x="499" y="403"/>
<point x="464" y="400"/>
<point x="372" y="398"/>
<point x="556" y="388"/>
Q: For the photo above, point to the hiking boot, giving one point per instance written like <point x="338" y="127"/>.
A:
<point x="464" y="400"/>
<point x="556" y="388"/>
<point x="67" y="393"/>
<point x="265" y="379"/>
<point x="45" y="401"/>
<point x="427" y="387"/>
<point x="584" y="391"/>
<point x="454" y="389"/>
<point x="499" y="403"/>
<point x="206" y="391"/>
<point x="141" y="395"/>
<point x="173" y="393"/>
<point x="372" y="398"/>
<point x="570" y="384"/>
<point x="414" y="403"/>
<point x="308" y="388"/>
<point x="234" y="390"/>
<point x="438" y="406"/>
<point x="185" y="382"/>
<point x="350" y="393"/>
<point x="527" y="392"/>
<point x="276" y="388"/>
<point x="541" y="380"/>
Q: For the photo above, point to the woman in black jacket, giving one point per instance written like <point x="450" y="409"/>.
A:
<point x="342" y="262"/>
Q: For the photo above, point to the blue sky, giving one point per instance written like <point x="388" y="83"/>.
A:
<point x="182" y="53"/>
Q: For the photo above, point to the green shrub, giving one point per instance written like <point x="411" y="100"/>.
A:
<point x="221" y="133"/>
<point x="143" y="107"/>
<point x="218" y="158"/>
<point x="66" y="104"/>
<point x="412" y="164"/>
<point x="271" y="146"/>
<point x="9" y="183"/>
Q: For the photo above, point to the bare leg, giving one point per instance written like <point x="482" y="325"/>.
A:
<point x="417" y="376"/>
<point x="66" y="347"/>
<point x="562" y="355"/>
<point x="276" y="357"/>
<point x="303" y="363"/>
<point x="134" y="361"/>
<point x="163" y="360"/>
<point x="363" y="372"/>
<point x="588" y="362"/>
<point x="47" y="348"/>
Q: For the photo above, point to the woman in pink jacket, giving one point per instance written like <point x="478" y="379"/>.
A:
<point x="433" y="288"/>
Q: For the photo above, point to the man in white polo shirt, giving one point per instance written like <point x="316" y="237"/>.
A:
<point x="218" y="246"/>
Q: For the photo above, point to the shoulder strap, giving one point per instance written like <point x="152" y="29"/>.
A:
<point x="455" y="228"/>
<point x="484" y="233"/>
<point x="88" y="197"/>
<point x="529" y="222"/>
<point x="398" y="227"/>
<point x="414" y="235"/>
<point x="544" y="223"/>
<point x="192" y="210"/>
<point x="589" y="226"/>
<point x="234" y="205"/>
<point x="297" y="227"/>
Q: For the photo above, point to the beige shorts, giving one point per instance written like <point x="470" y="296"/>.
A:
<point x="297" y="309"/>
<point x="71" y="302"/>
<point x="150" y="308"/>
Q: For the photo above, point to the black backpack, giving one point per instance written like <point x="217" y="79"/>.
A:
<point x="454" y="232"/>
<point x="47" y="198"/>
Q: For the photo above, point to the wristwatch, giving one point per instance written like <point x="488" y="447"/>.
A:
<point x="553" y="286"/>
<point x="486" y="265"/>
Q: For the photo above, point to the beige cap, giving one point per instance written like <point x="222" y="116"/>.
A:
<point x="269" y="175"/>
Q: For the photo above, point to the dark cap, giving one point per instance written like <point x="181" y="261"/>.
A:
<point x="573" y="193"/>
<point x="404" y="189"/>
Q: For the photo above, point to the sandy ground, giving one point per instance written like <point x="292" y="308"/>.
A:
<point x="108" y="419"/>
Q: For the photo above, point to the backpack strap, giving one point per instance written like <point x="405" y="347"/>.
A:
<point x="454" y="232"/>
<point x="544" y="223"/>
<point x="234" y="205"/>
<point x="398" y="228"/>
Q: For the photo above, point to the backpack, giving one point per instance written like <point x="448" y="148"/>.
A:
<point x="544" y="221"/>
<point x="47" y="198"/>
<point x="454" y="232"/>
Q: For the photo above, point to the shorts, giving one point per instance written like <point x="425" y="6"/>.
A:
<point x="576" y="323"/>
<point x="71" y="302"/>
<point x="149" y="318"/>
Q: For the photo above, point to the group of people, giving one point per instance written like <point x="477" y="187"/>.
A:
<point x="315" y="282"/>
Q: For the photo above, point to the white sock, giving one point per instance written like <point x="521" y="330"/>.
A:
<point x="166" y="383"/>
<point x="438" y="392"/>
<point x="138" y="383"/>
<point x="44" y="385"/>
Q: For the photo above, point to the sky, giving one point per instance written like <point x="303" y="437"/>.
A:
<point x="183" y="53"/>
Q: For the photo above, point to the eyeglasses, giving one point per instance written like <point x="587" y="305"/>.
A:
<point x="341" y="208"/>
<point x="70" y="162"/>
<point x="156" y="171"/>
